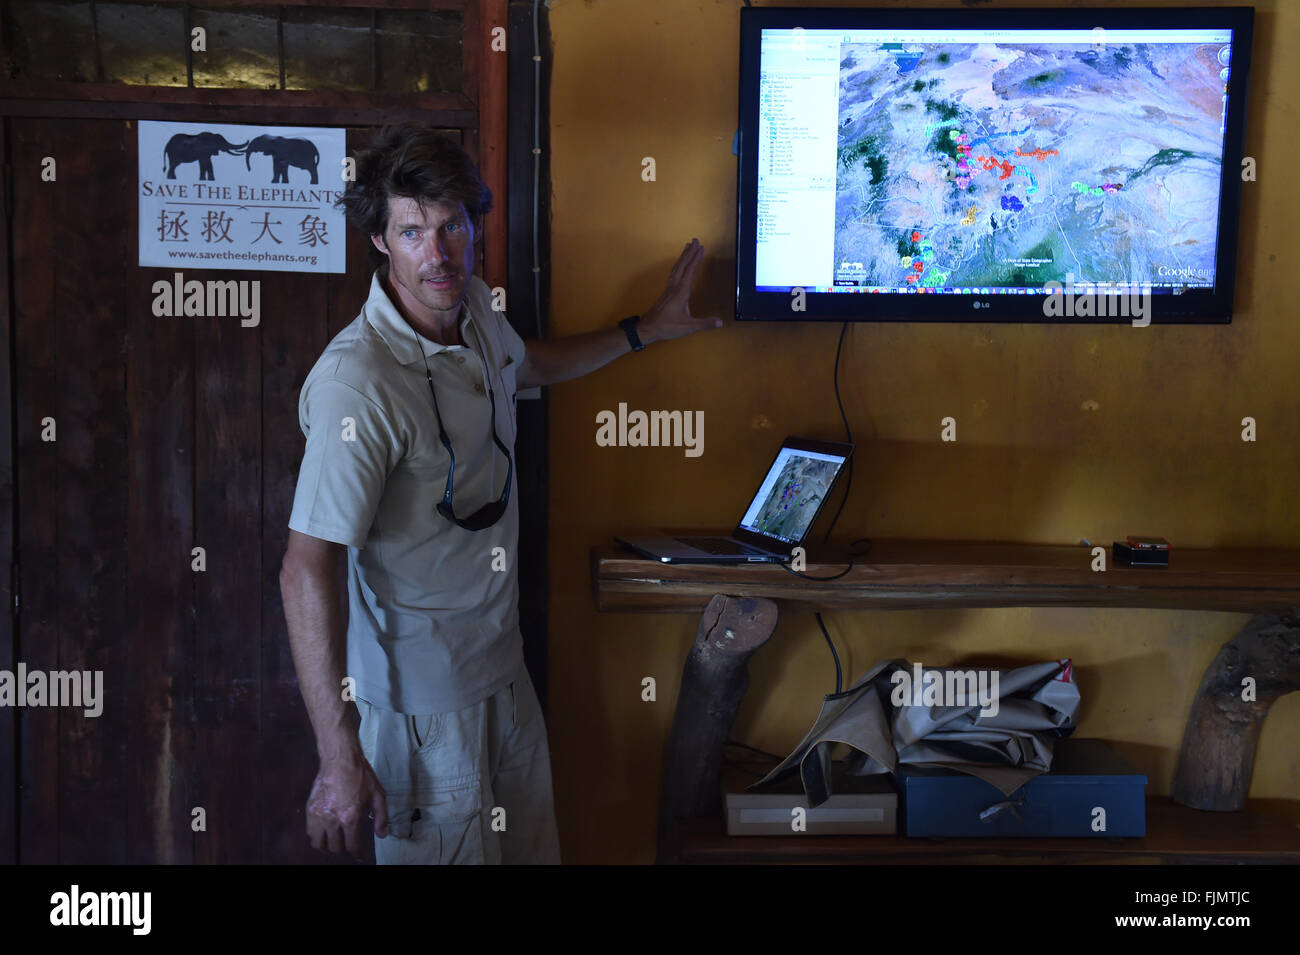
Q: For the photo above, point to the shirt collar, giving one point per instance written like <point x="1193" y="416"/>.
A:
<point x="402" y="340"/>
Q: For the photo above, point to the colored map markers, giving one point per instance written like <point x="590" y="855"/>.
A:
<point x="1111" y="187"/>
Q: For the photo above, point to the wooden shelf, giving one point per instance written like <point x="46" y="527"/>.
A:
<point x="1175" y="834"/>
<point x="919" y="574"/>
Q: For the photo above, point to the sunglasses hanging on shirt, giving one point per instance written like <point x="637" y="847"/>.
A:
<point x="488" y="514"/>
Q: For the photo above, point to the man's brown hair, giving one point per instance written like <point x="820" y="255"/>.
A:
<point x="411" y="161"/>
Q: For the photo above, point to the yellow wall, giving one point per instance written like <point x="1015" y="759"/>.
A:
<point x="1058" y="438"/>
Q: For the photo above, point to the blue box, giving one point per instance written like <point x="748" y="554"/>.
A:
<point x="1086" y="775"/>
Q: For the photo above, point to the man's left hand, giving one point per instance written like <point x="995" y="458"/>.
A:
<point x="671" y="317"/>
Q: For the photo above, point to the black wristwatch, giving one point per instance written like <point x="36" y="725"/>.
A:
<point x="629" y="325"/>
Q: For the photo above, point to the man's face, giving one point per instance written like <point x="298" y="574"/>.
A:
<point x="430" y="254"/>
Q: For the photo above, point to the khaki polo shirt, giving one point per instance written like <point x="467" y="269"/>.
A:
<point x="432" y="626"/>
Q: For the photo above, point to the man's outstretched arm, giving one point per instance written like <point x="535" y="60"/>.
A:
<point x="548" y="361"/>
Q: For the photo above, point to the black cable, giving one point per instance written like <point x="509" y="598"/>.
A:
<point x="798" y="573"/>
<point x="839" y="675"/>
<point x="852" y="554"/>
<point x="848" y="435"/>
<point x="848" y="488"/>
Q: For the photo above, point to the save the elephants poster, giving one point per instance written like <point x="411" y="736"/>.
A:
<point x="222" y="196"/>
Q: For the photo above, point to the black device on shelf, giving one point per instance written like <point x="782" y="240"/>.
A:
<point x="1141" y="552"/>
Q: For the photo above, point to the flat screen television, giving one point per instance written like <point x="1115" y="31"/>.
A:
<point x="1030" y="165"/>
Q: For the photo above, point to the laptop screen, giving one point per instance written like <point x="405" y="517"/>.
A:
<point x="792" y="494"/>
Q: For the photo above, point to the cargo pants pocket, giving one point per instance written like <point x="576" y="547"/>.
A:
<point x="446" y="831"/>
<point x="432" y="773"/>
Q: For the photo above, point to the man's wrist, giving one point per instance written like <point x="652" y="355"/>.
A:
<point x="340" y="740"/>
<point x="342" y="749"/>
<point x="634" y="329"/>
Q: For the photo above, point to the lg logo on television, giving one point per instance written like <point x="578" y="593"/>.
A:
<point x="981" y="304"/>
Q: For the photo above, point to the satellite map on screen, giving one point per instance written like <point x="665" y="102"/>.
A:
<point x="797" y="493"/>
<point x="1022" y="164"/>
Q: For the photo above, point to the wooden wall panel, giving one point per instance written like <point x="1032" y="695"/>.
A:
<point x="89" y="317"/>
<point x="71" y="335"/>
<point x="227" y="608"/>
<point x="36" y="381"/>
<point x="160" y="593"/>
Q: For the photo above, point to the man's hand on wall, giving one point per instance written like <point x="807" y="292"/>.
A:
<point x="671" y="317"/>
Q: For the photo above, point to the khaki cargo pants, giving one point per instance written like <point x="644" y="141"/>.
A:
<point x="465" y="787"/>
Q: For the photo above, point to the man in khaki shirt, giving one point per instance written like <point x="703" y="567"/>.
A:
<point x="445" y="745"/>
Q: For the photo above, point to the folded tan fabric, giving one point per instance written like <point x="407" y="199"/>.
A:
<point x="999" y="725"/>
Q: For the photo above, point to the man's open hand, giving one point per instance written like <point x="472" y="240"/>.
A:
<point x="344" y="793"/>
<point x="671" y="317"/>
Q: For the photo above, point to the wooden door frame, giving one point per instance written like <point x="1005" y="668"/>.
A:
<point x="8" y="525"/>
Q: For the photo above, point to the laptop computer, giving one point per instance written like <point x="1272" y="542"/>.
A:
<point x="779" y="516"/>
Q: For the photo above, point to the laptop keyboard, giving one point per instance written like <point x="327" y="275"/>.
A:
<point x="720" y="546"/>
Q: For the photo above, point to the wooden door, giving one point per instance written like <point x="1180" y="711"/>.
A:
<point x="168" y="434"/>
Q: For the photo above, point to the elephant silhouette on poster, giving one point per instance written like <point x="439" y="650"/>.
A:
<point x="284" y="152"/>
<point x="197" y="147"/>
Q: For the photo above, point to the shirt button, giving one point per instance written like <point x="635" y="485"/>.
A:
<point x="479" y="389"/>
<point x="461" y="359"/>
